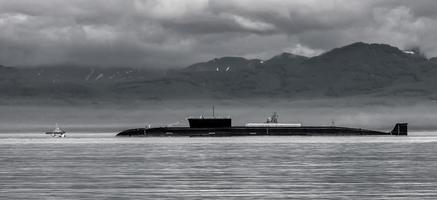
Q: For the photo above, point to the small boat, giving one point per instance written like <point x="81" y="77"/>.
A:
<point x="57" y="132"/>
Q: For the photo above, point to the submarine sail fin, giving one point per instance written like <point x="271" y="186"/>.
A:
<point x="400" y="129"/>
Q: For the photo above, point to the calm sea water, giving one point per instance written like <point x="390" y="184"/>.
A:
<point x="100" y="166"/>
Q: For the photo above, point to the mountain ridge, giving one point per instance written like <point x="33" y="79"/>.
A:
<point x="377" y="70"/>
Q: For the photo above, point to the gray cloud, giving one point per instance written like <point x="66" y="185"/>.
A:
<point x="174" y="33"/>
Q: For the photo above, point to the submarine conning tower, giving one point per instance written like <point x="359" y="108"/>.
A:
<point x="210" y="122"/>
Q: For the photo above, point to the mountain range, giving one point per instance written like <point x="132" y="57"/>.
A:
<point x="358" y="69"/>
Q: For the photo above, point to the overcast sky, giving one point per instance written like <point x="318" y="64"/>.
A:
<point x="175" y="33"/>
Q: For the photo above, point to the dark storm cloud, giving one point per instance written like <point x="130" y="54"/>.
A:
<point x="172" y="33"/>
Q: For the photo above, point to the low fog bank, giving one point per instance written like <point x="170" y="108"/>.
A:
<point x="378" y="114"/>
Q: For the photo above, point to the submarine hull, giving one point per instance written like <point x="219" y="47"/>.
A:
<point x="400" y="129"/>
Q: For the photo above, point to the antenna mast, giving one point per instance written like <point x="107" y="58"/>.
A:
<point x="213" y="114"/>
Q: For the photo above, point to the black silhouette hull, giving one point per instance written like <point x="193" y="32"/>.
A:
<point x="400" y="129"/>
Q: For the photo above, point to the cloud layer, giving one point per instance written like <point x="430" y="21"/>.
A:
<point x="175" y="33"/>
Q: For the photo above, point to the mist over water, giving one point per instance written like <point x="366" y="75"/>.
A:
<point x="378" y="114"/>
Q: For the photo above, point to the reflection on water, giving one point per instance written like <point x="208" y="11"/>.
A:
<point x="90" y="166"/>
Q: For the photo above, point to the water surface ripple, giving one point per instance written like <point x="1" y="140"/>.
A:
<point x="95" y="167"/>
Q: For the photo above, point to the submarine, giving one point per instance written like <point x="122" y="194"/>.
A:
<point x="222" y="127"/>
